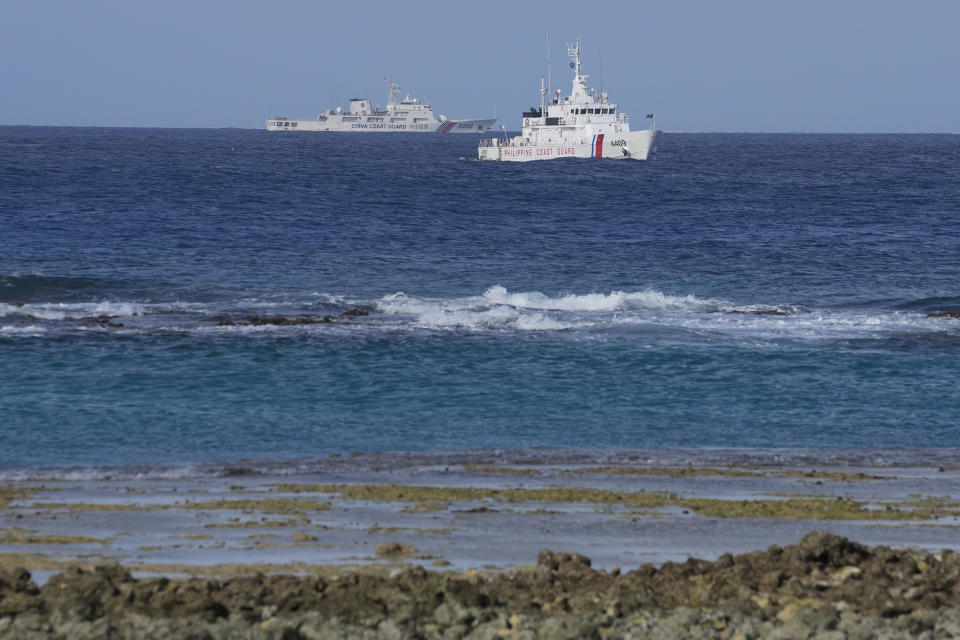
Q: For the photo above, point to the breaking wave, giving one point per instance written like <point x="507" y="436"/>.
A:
<point x="534" y="311"/>
<point x="617" y="300"/>
<point x="74" y="310"/>
<point x="497" y="309"/>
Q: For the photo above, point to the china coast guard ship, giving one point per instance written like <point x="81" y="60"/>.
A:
<point x="582" y="125"/>
<point x="407" y="114"/>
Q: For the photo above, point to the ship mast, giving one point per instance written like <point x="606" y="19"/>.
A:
<point x="393" y="90"/>
<point x="573" y="51"/>
<point x="549" y="85"/>
<point x="579" y="94"/>
<point x="543" y="99"/>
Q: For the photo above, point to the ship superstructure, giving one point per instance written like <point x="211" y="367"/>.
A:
<point x="400" y="114"/>
<point x="584" y="124"/>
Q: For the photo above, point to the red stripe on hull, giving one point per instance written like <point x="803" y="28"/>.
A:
<point x="598" y="152"/>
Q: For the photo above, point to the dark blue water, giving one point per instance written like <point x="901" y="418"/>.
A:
<point x="163" y="294"/>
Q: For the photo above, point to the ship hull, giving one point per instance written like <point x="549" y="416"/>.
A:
<point x="636" y="145"/>
<point x="359" y="124"/>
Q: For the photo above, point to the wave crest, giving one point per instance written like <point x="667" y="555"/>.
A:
<point x="498" y="308"/>
<point x="613" y="301"/>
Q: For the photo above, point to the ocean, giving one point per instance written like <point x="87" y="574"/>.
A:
<point x="177" y="301"/>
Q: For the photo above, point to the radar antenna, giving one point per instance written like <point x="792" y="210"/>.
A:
<point x="573" y="51"/>
<point x="580" y="93"/>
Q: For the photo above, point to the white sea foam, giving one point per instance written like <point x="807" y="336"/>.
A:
<point x="814" y="325"/>
<point x="541" y="322"/>
<point x="498" y="308"/>
<point x="28" y="330"/>
<point x="474" y="312"/>
<point x="614" y="301"/>
<point x="94" y="473"/>
<point x="76" y="310"/>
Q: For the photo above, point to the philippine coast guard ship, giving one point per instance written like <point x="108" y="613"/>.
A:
<point x="407" y="114"/>
<point x="582" y="125"/>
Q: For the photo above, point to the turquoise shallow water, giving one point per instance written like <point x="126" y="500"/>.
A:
<point x="163" y="294"/>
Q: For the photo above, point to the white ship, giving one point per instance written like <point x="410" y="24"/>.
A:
<point x="584" y="124"/>
<point x="408" y="114"/>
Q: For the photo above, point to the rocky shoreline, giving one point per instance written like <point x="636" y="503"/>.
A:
<point x="428" y="546"/>
<point x="825" y="586"/>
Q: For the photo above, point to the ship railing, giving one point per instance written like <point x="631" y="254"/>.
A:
<point x="490" y="142"/>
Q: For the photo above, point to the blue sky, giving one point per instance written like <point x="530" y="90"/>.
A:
<point x="736" y="65"/>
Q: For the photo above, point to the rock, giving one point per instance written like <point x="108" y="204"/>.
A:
<point x="388" y="630"/>
<point x="825" y="586"/>
<point x="755" y="312"/>
<point x="78" y="594"/>
<point x="17" y="580"/>
<point x="282" y="321"/>
<point x="388" y="549"/>
<point x="560" y="561"/>
<point x="304" y="537"/>
<point x="827" y="549"/>
<point x="560" y="628"/>
<point x="630" y="595"/>
<point x="448" y="614"/>
<point x="354" y="313"/>
<point x="97" y="320"/>
<point x="944" y="314"/>
<point x="278" y="321"/>
<point x="845" y="573"/>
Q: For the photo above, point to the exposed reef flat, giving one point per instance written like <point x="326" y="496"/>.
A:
<point x="387" y="532"/>
<point x="825" y="586"/>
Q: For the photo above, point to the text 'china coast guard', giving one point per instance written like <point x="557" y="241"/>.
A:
<point x="584" y="124"/>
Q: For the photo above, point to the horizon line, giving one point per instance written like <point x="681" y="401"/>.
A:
<point x="664" y="131"/>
